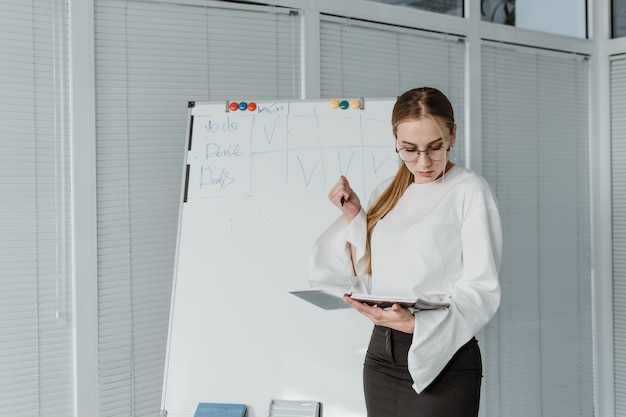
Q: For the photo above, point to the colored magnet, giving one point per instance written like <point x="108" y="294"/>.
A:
<point x="252" y="106"/>
<point x="233" y="106"/>
<point x="243" y="106"/>
<point x="334" y="104"/>
<point x="355" y="104"/>
<point x="344" y="104"/>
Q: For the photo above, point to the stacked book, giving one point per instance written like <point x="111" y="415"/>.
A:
<point x="291" y="408"/>
<point x="220" y="410"/>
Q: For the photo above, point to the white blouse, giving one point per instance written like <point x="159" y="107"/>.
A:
<point x="443" y="242"/>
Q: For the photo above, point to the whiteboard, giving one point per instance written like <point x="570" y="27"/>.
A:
<point x="255" y="188"/>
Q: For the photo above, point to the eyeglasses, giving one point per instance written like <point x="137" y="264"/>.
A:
<point x="412" y="154"/>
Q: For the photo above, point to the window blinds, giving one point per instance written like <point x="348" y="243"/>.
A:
<point x="36" y="347"/>
<point x="364" y="59"/>
<point x="618" y="185"/>
<point x="535" y="156"/>
<point x="151" y="58"/>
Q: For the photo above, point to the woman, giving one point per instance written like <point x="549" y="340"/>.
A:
<point x="433" y="231"/>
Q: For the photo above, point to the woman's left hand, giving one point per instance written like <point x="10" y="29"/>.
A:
<point x="396" y="317"/>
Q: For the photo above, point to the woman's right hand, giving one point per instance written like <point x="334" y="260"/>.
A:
<point x="351" y="203"/>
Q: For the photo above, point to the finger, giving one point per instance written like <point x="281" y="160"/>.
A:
<point x="336" y="193"/>
<point x="356" y="304"/>
<point x="342" y="182"/>
<point x="340" y="196"/>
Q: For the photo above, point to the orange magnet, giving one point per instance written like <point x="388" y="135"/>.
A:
<point x="233" y="106"/>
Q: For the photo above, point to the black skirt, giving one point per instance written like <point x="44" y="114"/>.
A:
<point x="388" y="385"/>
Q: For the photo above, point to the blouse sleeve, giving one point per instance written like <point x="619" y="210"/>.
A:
<point x="474" y="298"/>
<point x="330" y="263"/>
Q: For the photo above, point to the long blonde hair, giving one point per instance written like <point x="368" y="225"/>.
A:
<point x="414" y="104"/>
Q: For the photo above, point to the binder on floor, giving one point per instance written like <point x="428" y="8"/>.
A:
<point x="294" y="408"/>
<point x="220" y="410"/>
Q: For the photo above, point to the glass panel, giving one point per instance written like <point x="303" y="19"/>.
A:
<point x="37" y="316"/>
<point x="392" y="61"/>
<point x="450" y="7"/>
<point x="561" y="17"/>
<point x="151" y="58"/>
<point x="618" y="18"/>
<point x="539" y="344"/>
<point x="618" y="191"/>
<point x="498" y="11"/>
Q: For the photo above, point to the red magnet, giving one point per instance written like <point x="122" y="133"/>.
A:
<point x="233" y="106"/>
<point x="252" y="106"/>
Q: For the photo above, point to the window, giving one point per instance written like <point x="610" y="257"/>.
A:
<point x="151" y="59"/>
<point x="450" y="7"/>
<point x="390" y="60"/>
<point x="618" y="18"/>
<point x="36" y="369"/>
<point x="618" y="188"/>
<point x="562" y="17"/>
<point x="535" y="157"/>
